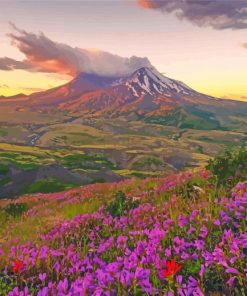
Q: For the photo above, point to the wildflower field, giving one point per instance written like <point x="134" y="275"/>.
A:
<point x="174" y="235"/>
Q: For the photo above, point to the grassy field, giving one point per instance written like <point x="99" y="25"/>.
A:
<point x="138" y="228"/>
<point x="86" y="150"/>
<point x="46" y="170"/>
<point x="135" y="208"/>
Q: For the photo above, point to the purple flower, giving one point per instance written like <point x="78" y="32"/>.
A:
<point x="112" y="267"/>
<point x="191" y="229"/>
<point x="126" y="277"/>
<point x="204" y="231"/>
<point x="63" y="285"/>
<point x="57" y="266"/>
<point x="182" y="220"/>
<point x="168" y="252"/>
<point x="199" y="244"/>
<point x="43" y="292"/>
<point x="230" y="282"/>
<point x="232" y="270"/>
<point x="121" y="242"/>
<point x="202" y="270"/>
<point x="193" y="215"/>
<point x="42" y="276"/>
<point x="228" y="235"/>
<point x="217" y="222"/>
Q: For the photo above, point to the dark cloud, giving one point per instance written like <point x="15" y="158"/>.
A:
<point x="218" y="14"/>
<point x="43" y="54"/>
<point x="9" y="64"/>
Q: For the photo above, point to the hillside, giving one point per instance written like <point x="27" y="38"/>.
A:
<point x="50" y="156"/>
<point x="145" y="95"/>
<point x="158" y="236"/>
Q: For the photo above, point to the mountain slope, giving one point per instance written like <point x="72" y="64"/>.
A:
<point x="144" y="95"/>
<point x="143" y="82"/>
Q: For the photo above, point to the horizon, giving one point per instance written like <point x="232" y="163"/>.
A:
<point x="210" y="56"/>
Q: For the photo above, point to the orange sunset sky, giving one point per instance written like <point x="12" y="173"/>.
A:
<point x="207" y="51"/>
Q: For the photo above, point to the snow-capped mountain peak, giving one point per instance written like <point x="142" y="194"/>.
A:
<point x="150" y="81"/>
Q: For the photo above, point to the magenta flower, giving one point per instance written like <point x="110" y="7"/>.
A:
<point x="204" y="231"/>
<point x="182" y="220"/>
<point x="42" y="276"/>
<point x="217" y="222"/>
<point x="199" y="244"/>
<point x="232" y="270"/>
<point x="230" y="282"/>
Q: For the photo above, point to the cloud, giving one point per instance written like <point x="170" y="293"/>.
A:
<point x="4" y="86"/>
<point x="31" y="89"/>
<point x="244" y="45"/>
<point x="218" y="14"/>
<point x="8" y="64"/>
<point x="44" y="55"/>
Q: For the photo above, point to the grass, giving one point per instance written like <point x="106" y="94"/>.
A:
<point x="25" y="158"/>
<point x="3" y="133"/>
<point x="135" y="147"/>
<point x="136" y="173"/>
<point x="3" y="169"/>
<point x="46" y="211"/>
<point x="164" y="206"/>
<point x="147" y="161"/>
<point x="22" y="149"/>
<point x="72" y="210"/>
<point x="4" y="181"/>
<point x="192" y="121"/>
<point x="47" y="186"/>
<point x="75" y="161"/>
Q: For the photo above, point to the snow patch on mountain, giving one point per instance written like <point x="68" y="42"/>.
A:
<point x="151" y="82"/>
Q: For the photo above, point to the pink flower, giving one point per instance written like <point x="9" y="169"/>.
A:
<point x="42" y="276"/>
<point x="232" y="270"/>
<point x="230" y="282"/>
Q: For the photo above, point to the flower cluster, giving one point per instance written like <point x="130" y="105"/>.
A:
<point x="168" y="245"/>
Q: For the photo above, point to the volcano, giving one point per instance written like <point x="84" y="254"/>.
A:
<point x="145" y="95"/>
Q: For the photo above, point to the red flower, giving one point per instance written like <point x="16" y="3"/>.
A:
<point x="172" y="268"/>
<point x="205" y="175"/>
<point x="18" y="266"/>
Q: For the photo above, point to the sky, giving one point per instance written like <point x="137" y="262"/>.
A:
<point x="44" y="44"/>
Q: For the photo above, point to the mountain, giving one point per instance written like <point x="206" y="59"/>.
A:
<point x="150" y="81"/>
<point x="144" y="95"/>
<point x="143" y="82"/>
<point x="18" y="96"/>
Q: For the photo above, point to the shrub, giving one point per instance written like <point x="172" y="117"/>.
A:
<point x="121" y="203"/>
<point x="230" y="167"/>
<point x="16" y="209"/>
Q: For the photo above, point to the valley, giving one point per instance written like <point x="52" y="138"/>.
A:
<point x="106" y="129"/>
<point x="52" y="156"/>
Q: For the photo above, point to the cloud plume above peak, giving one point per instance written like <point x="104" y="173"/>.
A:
<point x="44" y="55"/>
<point x="218" y="14"/>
